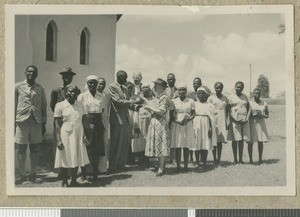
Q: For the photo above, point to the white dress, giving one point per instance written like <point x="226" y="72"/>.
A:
<point x="204" y="114"/>
<point x="220" y="105"/>
<point x="183" y="136"/>
<point x="238" y="131"/>
<point x="74" y="153"/>
<point x="258" y="128"/>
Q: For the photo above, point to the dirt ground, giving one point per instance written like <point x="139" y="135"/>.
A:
<point x="271" y="173"/>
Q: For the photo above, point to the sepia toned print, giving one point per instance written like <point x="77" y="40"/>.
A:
<point x="202" y="95"/>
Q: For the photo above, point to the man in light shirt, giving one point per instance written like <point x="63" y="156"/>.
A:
<point x="137" y="80"/>
<point x="30" y="120"/>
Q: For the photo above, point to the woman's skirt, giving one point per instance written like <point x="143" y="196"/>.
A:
<point x="96" y="147"/>
<point x="182" y="136"/>
<point x="157" y="139"/>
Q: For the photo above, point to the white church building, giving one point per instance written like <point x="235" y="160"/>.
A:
<point x="86" y="43"/>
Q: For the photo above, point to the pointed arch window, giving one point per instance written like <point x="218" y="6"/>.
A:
<point x="51" y="41"/>
<point x="84" y="46"/>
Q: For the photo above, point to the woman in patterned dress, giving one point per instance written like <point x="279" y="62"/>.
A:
<point x="221" y="105"/>
<point x="204" y="126"/>
<point x="70" y="124"/>
<point x="157" y="139"/>
<point x="238" y="130"/>
<point x="182" y="129"/>
<point x="258" y="129"/>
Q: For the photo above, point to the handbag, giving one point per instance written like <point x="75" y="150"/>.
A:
<point x="138" y="144"/>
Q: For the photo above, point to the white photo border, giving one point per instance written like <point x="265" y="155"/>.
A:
<point x="286" y="10"/>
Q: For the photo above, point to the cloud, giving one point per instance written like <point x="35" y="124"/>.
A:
<point x="223" y="58"/>
<point x="238" y="49"/>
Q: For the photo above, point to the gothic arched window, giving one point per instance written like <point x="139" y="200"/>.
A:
<point x="51" y="41"/>
<point x="84" y="46"/>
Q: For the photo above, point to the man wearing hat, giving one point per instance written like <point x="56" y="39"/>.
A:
<point x="58" y="94"/>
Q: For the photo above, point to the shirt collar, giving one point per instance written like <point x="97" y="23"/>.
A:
<point x="25" y="83"/>
<point x="67" y="104"/>
<point x="89" y="94"/>
<point x="163" y="93"/>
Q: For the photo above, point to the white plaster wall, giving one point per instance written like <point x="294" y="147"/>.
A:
<point x="31" y="49"/>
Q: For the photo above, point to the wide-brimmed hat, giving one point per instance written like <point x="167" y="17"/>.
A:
<point x="67" y="70"/>
<point x="160" y="81"/>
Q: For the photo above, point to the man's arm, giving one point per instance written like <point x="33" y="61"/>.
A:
<point x="115" y="97"/>
<point x="53" y="99"/>
<point x="44" y="111"/>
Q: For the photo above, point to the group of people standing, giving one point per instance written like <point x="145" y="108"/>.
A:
<point x="99" y="123"/>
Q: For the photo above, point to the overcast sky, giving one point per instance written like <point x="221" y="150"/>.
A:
<point x="213" y="47"/>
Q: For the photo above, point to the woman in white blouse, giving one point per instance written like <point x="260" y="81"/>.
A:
<point x="93" y="102"/>
<point x="182" y="128"/>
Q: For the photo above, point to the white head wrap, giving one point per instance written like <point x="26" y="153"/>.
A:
<point x="201" y="89"/>
<point x="91" y="77"/>
<point x="181" y="85"/>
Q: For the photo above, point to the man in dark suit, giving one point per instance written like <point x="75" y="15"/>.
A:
<point x="120" y="122"/>
<point x="171" y="91"/>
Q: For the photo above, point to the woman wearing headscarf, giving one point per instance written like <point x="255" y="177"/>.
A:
<point x="70" y="121"/>
<point x="238" y="130"/>
<point x="92" y="100"/>
<point x="182" y="129"/>
<point x="221" y="105"/>
<point x="258" y="128"/>
<point x="157" y="139"/>
<point x="204" y="126"/>
<point x="144" y="115"/>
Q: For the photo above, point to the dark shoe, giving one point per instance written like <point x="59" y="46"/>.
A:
<point x="111" y="171"/>
<point x="32" y="178"/>
<point x="185" y="170"/>
<point x="95" y="178"/>
<point x="64" y="184"/>
<point x="60" y="176"/>
<point x="74" y="184"/>
<point x="235" y="162"/>
<point x="20" y="179"/>
<point x="241" y="162"/>
<point x="178" y="170"/>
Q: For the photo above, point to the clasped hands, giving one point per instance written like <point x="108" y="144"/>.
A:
<point x="137" y="103"/>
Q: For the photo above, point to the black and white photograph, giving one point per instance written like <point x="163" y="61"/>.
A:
<point x="150" y="100"/>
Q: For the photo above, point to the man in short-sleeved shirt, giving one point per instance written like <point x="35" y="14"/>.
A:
<point x="30" y="120"/>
